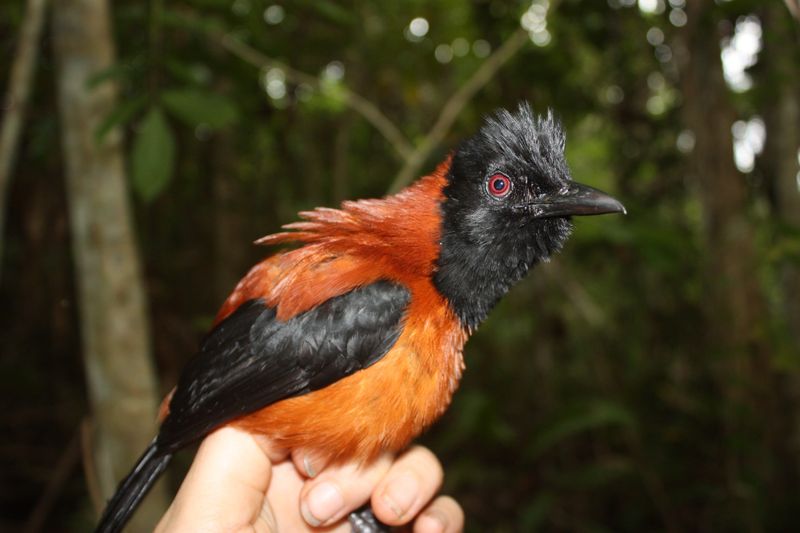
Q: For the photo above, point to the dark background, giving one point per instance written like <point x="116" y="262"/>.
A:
<point x="647" y="379"/>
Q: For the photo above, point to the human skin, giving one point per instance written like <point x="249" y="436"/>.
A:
<point x="239" y="483"/>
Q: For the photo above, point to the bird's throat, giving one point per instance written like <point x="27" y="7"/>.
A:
<point x="473" y="280"/>
<point x="474" y="270"/>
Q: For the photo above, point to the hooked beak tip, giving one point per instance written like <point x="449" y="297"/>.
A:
<point x="578" y="200"/>
<point x="614" y="206"/>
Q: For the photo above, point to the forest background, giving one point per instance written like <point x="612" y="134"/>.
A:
<point x="647" y="379"/>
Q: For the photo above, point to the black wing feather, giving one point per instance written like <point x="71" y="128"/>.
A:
<point x="252" y="359"/>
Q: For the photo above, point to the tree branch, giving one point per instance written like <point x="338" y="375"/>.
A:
<point x="353" y="100"/>
<point x="19" y="88"/>
<point x="89" y="470"/>
<point x="58" y="480"/>
<point x="453" y="107"/>
<point x="582" y="301"/>
<point x="412" y="157"/>
<point x="794" y="8"/>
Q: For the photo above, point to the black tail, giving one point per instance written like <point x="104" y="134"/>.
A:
<point x="132" y="489"/>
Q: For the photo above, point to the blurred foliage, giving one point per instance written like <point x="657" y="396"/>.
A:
<point x="152" y="155"/>
<point x="593" y="398"/>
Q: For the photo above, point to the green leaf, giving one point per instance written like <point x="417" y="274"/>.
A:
<point x="534" y="514"/>
<point x="193" y="74"/>
<point x="568" y="424"/>
<point x="175" y="18"/>
<point x="121" y="70"/>
<point x="121" y="115"/>
<point x="198" y="107"/>
<point x="153" y="155"/>
<point x="330" y="98"/>
<point x="332" y="11"/>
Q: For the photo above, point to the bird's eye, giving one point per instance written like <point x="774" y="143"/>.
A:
<point x="499" y="185"/>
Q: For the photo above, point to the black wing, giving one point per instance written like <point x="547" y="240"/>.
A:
<point x="251" y="359"/>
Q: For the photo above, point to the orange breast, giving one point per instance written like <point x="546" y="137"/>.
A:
<point x="384" y="406"/>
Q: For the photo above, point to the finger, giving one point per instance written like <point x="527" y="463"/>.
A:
<point x="413" y="480"/>
<point x="283" y="495"/>
<point x="340" y="489"/>
<point x="307" y="463"/>
<point x="225" y="486"/>
<point x="443" y="515"/>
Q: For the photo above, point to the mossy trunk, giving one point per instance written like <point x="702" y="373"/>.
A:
<point x="114" y="328"/>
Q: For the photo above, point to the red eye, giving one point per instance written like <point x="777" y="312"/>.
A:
<point x="499" y="185"/>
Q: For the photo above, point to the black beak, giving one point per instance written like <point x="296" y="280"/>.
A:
<point x="576" y="199"/>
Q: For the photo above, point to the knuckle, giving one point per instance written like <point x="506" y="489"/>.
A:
<point x="426" y="463"/>
<point x="357" y="481"/>
<point x="453" y="510"/>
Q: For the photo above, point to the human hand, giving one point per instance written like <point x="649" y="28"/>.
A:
<point x="239" y="483"/>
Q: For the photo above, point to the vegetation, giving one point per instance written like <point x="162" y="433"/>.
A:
<point x="647" y="379"/>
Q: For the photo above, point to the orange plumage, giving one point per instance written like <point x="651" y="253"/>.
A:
<point x="351" y="344"/>
<point x="395" y="238"/>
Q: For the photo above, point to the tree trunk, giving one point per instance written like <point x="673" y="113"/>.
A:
<point x="780" y="165"/>
<point x="19" y="90"/>
<point x="781" y="59"/>
<point x="734" y="303"/>
<point x="114" y="328"/>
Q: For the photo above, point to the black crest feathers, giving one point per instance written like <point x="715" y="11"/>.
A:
<point x="488" y="243"/>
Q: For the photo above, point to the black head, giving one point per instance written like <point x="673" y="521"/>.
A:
<point x="508" y="203"/>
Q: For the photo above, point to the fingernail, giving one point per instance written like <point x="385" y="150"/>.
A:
<point x="401" y="494"/>
<point x="310" y="472"/>
<point x="431" y="521"/>
<point x="322" y="503"/>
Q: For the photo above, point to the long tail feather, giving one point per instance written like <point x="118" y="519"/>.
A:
<point x="132" y="489"/>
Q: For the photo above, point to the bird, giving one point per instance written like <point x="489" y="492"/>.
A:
<point x="350" y="343"/>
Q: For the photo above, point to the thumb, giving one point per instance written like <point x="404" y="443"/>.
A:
<point x="225" y="488"/>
